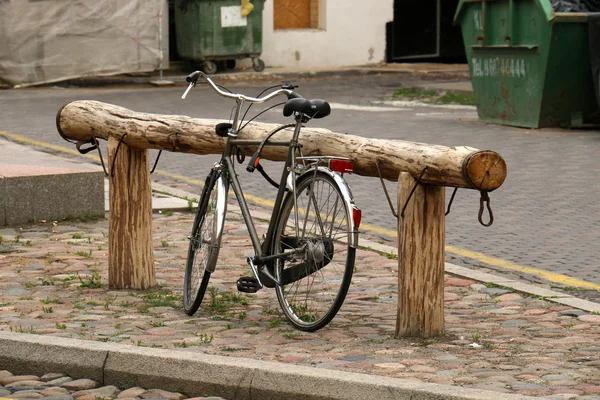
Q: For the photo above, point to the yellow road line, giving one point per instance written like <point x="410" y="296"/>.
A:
<point x="500" y="263"/>
<point x="496" y="262"/>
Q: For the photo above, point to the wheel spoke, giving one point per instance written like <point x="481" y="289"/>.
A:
<point x="203" y="248"/>
<point x="315" y="293"/>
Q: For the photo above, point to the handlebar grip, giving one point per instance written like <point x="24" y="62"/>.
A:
<point x="193" y="77"/>
<point x="253" y="163"/>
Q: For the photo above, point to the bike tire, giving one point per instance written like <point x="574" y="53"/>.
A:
<point x="203" y="249"/>
<point x="314" y="284"/>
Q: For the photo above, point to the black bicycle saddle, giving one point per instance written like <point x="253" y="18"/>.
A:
<point x="311" y="108"/>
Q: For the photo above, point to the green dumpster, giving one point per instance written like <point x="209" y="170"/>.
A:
<point x="208" y="31"/>
<point x="530" y="66"/>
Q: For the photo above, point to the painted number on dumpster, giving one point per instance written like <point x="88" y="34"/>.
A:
<point x="232" y="16"/>
<point x="494" y="66"/>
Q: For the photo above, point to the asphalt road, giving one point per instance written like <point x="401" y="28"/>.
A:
<point x="546" y="213"/>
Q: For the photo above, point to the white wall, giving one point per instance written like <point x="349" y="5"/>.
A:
<point x="352" y="33"/>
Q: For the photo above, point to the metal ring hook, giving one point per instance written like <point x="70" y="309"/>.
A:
<point x="485" y="198"/>
<point x="451" y="200"/>
<point x="112" y="166"/>
<point x="413" y="190"/>
<point x="387" y="195"/>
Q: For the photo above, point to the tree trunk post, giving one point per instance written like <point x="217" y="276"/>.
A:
<point x="421" y="233"/>
<point x="130" y="257"/>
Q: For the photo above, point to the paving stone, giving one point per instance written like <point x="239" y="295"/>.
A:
<point x="494" y="291"/>
<point x="51" y="377"/>
<point x="4" y="374"/>
<point x="92" y="397"/>
<point x="531" y="387"/>
<point x="55" y="391"/>
<point x="26" y="394"/>
<point x="509" y="297"/>
<point x="18" y="378"/>
<point x="573" y="313"/>
<point x="59" y="397"/>
<point x="595" y="319"/>
<point x="131" y="392"/>
<point x="161" y="394"/>
<point x="104" y="391"/>
<point x="590" y="389"/>
<point x="16" y="291"/>
<point x="30" y="383"/>
<point x="59" y="381"/>
<point x="80" y="384"/>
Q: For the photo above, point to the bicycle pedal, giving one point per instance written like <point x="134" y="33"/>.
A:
<point x="248" y="284"/>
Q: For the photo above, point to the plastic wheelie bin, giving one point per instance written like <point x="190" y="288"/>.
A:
<point x="529" y="65"/>
<point x="215" y="31"/>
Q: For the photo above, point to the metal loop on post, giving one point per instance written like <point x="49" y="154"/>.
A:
<point x="485" y="198"/>
<point x="99" y="153"/>
<point x="413" y="191"/>
<point x="112" y="166"/>
<point x="451" y="200"/>
<point x="387" y="195"/>
<point x="156" y="161"/>
<point x="173" y="149"/>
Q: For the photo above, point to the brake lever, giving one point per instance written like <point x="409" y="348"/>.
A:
<point x="288" y="86"/>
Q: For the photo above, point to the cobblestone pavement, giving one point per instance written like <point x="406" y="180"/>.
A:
<point x="53" y="279"/>
<point x="57" y="386"/>
<point x="546" y="213"/>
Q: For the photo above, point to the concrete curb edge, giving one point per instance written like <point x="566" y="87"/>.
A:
<point x="197" y="374"/>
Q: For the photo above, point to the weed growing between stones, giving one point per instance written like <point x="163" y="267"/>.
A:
<point x="92" y="281"/>
<point x="84" y="254"/>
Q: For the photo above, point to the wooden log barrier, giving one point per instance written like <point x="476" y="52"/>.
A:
<point x="460" y="166"/>
<point x="421" y="228"/>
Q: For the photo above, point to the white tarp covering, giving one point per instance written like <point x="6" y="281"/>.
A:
<point x="52" y="40"/>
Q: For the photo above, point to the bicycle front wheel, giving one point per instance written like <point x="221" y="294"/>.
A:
<point x="204" y="246"/>
<point x="314" y="280"/>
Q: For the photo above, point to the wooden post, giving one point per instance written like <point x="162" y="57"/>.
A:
<point x="130" y="257"/>
<point x="421" y="233"/>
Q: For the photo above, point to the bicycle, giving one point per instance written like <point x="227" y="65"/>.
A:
<point x="309" y="249"/>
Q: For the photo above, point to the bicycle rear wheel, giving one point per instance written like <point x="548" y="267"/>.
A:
<point x="314" y="281"/>
<point x="204" y="246"/>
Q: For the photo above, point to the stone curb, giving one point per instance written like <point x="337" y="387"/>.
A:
<point x="197" y="374"/>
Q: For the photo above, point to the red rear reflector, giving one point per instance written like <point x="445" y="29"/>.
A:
<point x="341" y="166"/>
<point x="357" y="215"/>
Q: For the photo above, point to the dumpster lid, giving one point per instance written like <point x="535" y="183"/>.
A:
<point x="544" y="5"/>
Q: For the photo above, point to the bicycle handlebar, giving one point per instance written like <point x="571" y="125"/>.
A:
<point x="193" y="78"/>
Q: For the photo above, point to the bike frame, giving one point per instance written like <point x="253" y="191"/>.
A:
<point x="227" y="165"/>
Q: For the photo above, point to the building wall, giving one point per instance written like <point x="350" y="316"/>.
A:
<point x="352" y="32"/>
